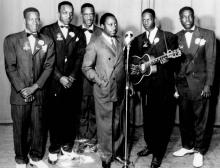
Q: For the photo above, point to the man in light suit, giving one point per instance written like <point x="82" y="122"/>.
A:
<point x="194" y="80"/>
<point x="159" y="111"/>
<point x="65" y="84"/>
<point x="29" y="60"/>
<point x="103" y="64"/>
<point x="87" y="131"/>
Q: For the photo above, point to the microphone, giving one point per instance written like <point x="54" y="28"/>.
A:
<point x="129" y="36"/>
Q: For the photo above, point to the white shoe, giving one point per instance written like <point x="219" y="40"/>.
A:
<point x="68" y="155"/>
<point x="182" y="152"/>
<point x="198" y="160"/>
<point x="52" y="158"/>
<point x="21" y="165"/>
<point x="38" y="164"/>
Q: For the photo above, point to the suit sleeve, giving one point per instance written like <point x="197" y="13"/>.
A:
<point x="80" y="51"/>
<point x="48" y="65"/>
<point x="210" y="49"/>
<point x="89" y="63"/>
<point x="11" y="65"/>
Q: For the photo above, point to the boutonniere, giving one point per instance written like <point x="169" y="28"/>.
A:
<point x="59" y="37"/>
<point x="41" y="42"/>
<point x="26" y="46"/>
<point x="77" y="39"/>
<point x="72" y="34"/>
<point x="156" y="40"/>
<point x="200" y="42"/>
<point x="180" y="46"/>
<point x="44" y="48"/>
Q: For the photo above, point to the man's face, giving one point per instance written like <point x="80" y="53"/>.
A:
<point x="148" y="21"/>
<point x="32" y="21"/>
<point x="187" y="19"/>
<point x="88" y="16"/>
<point x="66" y="14"/>
<point x="110" y="26"/>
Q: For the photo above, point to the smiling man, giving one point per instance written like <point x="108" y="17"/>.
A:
<point x="65" y="84"/>
<point x="29" y="60"/>
<point x="103" y="65"/>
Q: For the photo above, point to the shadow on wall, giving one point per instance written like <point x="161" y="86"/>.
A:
<point x="166" y="24"/>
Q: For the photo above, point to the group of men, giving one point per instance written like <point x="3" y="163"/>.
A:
<point x="61" y="65"/>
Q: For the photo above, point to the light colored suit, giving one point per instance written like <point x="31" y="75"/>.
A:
<point x="102" y="62"/>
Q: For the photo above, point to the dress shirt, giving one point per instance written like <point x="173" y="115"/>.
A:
<point x="188" y="36"/>
<point x="87" y="33"/>
<point x="151" y="35"/>
<point x="64" y="29"/>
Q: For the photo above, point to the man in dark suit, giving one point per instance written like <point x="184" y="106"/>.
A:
<point x="29" y="60"/>
<point x="194" y="79"/>
<point x="65" y="86"/>
<point x="103" y="64"/>
<point x="158" y="88"/>
<point x="87" y="131"/>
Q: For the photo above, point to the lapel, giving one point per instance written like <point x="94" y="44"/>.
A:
<point x="194" y="47"/>
<point x="39" y="42"/>
<point x="25" y="44"/>
<point x="160" y="36"/>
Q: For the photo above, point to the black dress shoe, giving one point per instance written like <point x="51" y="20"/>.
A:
<point x="144" y="152"/>
<point x="156" y="162"/>
<point x="106" y="164"/>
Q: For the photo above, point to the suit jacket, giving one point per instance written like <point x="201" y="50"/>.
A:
<point x="102" y="62"/>
<point x="69" y="54"/>
<point x="197" y="67"/>
<point x="24" y="68"/>
<point x="164" y="77"/>
<point x="87" y="84"/>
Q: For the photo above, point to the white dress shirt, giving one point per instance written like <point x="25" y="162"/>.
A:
<point x="188" y="36"/>
<point x="87" y="33"/>
<point x="152" y="34"/>
<point x="64" y="30"/>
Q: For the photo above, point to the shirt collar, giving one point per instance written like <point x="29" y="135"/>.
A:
<point x="61" y="23"/>
<point x="153" y="32"/>
<point x="193" y="28"/>
<point x="90" y="28"/>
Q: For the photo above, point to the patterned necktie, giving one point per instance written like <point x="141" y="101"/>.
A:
<point x="113" y="43"/>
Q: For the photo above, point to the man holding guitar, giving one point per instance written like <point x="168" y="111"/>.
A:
<point x="157" y="89"/>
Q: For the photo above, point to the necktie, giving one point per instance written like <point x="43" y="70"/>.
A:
<point x="113" y="43"/>
<point x="89" y="30"/>
<point x="33" y="34"/>
<point x="188" y="31"/>
<point x="65" y="26"/>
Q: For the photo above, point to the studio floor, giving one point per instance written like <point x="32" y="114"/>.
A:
<point x="91" y="160"/>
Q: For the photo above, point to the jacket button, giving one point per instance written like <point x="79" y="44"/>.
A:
<point x="109" y="58"/>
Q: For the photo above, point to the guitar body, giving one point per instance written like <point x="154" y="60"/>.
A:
<point x="147" y="70"/>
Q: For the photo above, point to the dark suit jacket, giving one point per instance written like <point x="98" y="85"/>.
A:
<point x="102" y="62"/>
<point x="88" y="85"/>
<point x="24" y="68"/>
<point x="164" y="77"/>
<point x="198" y="64"/>
<point x="69" y="54"/>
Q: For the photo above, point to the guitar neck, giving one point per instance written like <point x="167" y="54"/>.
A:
<point x="155" y="60"/>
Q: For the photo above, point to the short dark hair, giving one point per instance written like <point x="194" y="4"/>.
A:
<point x="64" y="3"/>
<point x="149" y="10"/>
<point x="186" y="8"/>
<point x="105" y="16"/>
<point x="87" y="5"/>
<point x="30" y="9"/>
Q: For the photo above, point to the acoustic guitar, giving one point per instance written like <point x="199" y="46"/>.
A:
<point x="145" y="66"/>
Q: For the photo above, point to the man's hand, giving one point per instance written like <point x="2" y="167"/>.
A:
<point x="206" y="92"/>
<point x="28" y="91"/>
<point x="102" y="83"/>
<point x="29" y="99"/>
<point x="65" y="81"/>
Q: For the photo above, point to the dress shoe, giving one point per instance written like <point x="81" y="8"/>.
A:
<point x="21" y="165"/>
<point x="38" y="164"/>
<point x="183" y="151"/>
<point x="52" y="158"/>
<point x="144" y="152"/>
<point x="119" y="159"/>
<point x="198" y="160"/>
<point x="68" y="155"/>
<point x="106" y="164"/>
<point x="156" y="162"/>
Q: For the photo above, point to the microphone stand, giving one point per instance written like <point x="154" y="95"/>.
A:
<point x="126" y="163"/>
